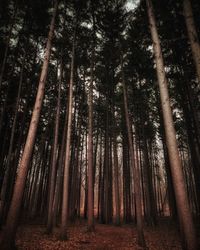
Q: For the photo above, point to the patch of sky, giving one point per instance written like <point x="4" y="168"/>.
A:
<point x="132" y="4"/>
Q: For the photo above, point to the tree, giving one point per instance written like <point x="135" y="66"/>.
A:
<point x="9" y="232"/>
<point x="65" y="200"/>
<point x="54" y="156"/>
<point x="134" y="165"/>
<point x="90" y="140"/>
<point x="185" y="216"/>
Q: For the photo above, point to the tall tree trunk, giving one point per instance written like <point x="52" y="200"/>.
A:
<point x="54" y="156"/>
<point x="116" y="180"/>
<point x="65" y="201"/>
<point x="185" y="216"/>
<point x="100" y="177"/>
<point x="105" y="193"/>
<point x="57" y="193"/>
<point x="74" y="176"/>
<point x="9" y="232"/>
<point x="135" y="167"/>
<point x="150" y="199"/>
<point x="126" y="176"/>
<point x="90" y="149"/>
<point x="192" y="34"/>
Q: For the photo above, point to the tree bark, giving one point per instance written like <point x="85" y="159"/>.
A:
<point x="185" y="216"/>
<point x="54" y="157"/>
<point x="14" y="210"/>
<point x="116" y="180"/>
<point x="90" y="149"/>
<point x="65" y="201"/>
<point x="57" y="193"/>
<point x="135" y="167"/>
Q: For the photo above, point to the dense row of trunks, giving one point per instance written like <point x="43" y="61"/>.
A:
<point x="93" y="156"/>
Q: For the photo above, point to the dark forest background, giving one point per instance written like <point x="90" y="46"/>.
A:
<point x="102" y="51"/>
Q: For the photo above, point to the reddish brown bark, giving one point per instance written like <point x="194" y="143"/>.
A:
<point x="134" y="165"/>
<point x="54" y="157"/>
<point x="65" y="200"/>
<point x="14" y="210"/>
<point x="185" y="216"/>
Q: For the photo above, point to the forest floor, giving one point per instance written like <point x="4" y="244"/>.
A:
<point x="162" y="237"/>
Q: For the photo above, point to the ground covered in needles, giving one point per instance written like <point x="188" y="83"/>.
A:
<point x="162" y="237"/>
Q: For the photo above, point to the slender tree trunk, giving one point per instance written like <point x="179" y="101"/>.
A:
<point x="105" y="205"/>
<point x="192" y="137"/>
<point x="80" y="178"/>
<point x="54" y="158"/>
<point x="65" y="201"/>
<point x="90" y="149"/>
<point x="86" y="182"/>
<point x="151" y="206"/>
<point x="38" y="163"/>
<point x="57" y="193"/>
<point x="74" y="176"/>
<point x="185" y="216"/>
<point x="100" y="178"/>
<point x="126" y="177"/>
<point x="116" y="181"/>
<point x="135" y="167"/>
<point x="14" y="210"/>
<point x="192" y="34"/>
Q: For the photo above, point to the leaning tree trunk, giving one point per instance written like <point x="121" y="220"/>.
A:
<point x="192" y="34"/>
<point x="9" y="232"/>
<point x="135" y="167"/>
<point x="65" y="201"/>
<point x="185" y="216"/>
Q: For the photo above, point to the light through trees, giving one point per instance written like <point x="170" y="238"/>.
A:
<point x="100" y="136"/>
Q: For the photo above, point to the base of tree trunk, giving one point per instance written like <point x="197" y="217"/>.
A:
<point x="141" y="240"/>
<point x="90" y="228"/>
